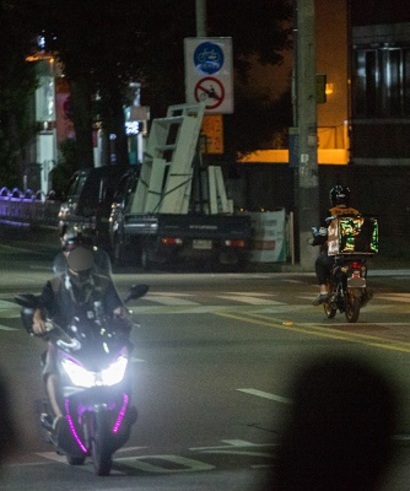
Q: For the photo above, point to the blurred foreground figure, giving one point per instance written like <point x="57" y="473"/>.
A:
<point x="340" y="433"/>
<point x="7" y="425"/>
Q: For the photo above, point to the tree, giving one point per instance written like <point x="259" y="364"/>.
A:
<point x="17" y="85"/>
<point x="104" y="46"/>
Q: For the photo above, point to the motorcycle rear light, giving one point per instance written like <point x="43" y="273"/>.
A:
<point x="356" y="265"/>
<point x="170" y="241"/>
<point x="235" y="243"/>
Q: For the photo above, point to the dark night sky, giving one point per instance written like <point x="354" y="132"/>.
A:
<point x="365" y="12"/>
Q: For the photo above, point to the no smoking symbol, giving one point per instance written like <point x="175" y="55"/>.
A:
<point x="211" y="91"/>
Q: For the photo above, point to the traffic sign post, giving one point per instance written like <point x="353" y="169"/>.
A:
<point x="208" y="73"/>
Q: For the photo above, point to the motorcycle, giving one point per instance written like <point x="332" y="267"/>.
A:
<point x="347" y="287"/>
<point x="93" y="363"/>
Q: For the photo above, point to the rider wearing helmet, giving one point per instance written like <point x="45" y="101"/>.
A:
<point x="74" y="293"/>
<point x="340" y="201"/>
<point x="70" y="238"/>
<point x="340" y="205"/>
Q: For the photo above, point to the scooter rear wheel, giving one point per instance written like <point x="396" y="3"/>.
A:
<point x="352" y="304"/>
<point x="330" y="309"/>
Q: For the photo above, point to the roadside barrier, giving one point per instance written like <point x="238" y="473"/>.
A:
<point x="28" y="208"/>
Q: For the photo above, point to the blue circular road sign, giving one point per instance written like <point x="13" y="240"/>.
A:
<point x="208" y="58"/>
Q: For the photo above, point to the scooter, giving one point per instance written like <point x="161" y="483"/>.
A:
<point x="347" y="287"/>
<point x="93" y="364"/>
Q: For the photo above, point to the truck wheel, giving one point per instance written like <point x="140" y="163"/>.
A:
<point x="146" y="263"/>
<point x="118" y="253"/>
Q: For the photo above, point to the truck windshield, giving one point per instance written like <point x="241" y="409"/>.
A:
<point x="76" y="185"/>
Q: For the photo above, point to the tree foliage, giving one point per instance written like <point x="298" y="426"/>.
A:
<point x="17" y="85"/>
<point x="106" y="45"/>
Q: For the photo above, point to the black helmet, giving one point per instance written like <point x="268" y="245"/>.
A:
<point x="71" y="238"/>
<point x="340" y="195"/>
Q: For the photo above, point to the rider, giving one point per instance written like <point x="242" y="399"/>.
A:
<point x="340" y="205"/>
<point x="71" y="293"/>
<point x="70" y="238"/>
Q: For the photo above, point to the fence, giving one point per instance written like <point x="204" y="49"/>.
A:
<point x="28" y="208"/>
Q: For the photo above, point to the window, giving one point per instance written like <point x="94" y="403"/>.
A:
<point x="381" y="82"/>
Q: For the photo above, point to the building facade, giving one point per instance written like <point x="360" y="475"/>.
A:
<point x="380" y="76"/>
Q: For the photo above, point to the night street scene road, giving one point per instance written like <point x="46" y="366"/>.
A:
<point x="204" y="224"/>
<point x="214" y="366"/>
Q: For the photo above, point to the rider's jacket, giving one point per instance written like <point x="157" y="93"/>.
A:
<point x="320" y="234"/>
<point x="64" y="297"/>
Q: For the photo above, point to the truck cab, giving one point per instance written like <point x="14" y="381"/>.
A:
<point x="88" y="199"/>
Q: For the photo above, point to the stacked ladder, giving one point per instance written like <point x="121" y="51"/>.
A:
<point x="166" y="173"/>
<point x="166" y="180"/>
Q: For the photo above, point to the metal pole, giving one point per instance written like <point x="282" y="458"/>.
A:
<point x="200" y="12"/>
<point x="307" y="168"/>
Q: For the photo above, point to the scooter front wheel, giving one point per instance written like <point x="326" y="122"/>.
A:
<point x="100" y="449"/>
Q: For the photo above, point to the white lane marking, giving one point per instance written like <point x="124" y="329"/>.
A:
<point x="284" y="309"/>
<point x="393" y="273"/>
<point x="133" y="359"/>
<point x="266" y="395"/>
<point x="9" y="310"/>
<point x="170" y="300"/>
<point x="396" y="297"/>
<point x="169" y="294"/>
<point x="292" y="281"/>
<point x="272" y="308"/>
<point x="6" y="328"/>
<point x="232" y="444"/>
<point x="53" y="456"/>
<point x="249" y="299"/>
<point x="252" y="294"/>
<point x="180" y="309"/>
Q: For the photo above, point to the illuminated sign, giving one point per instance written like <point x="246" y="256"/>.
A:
<point x="133" y="127"/>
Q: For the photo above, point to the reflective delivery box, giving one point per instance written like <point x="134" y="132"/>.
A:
<point x="353" y="235"/>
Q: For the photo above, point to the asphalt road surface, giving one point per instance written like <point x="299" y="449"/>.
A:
<point x="212" y="365"/>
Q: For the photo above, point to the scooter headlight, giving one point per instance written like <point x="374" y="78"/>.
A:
<point x="78" y="375"/>
<point x="81" y="377"/>
<point x="115" y="372"/>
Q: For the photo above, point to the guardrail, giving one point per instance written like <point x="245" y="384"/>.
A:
<point x="28" y="208"/>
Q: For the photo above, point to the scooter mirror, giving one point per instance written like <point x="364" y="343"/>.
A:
<point x="136" y="291"/>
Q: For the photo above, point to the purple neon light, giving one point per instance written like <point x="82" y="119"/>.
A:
<point x="72" y="427"/>
<point x="121" y="414"/>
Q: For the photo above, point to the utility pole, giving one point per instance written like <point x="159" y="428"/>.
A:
<point x="307" y="178"/>
<point x="200" y="13"/>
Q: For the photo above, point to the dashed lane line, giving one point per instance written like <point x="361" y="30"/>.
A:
<point x="266" y="395"/>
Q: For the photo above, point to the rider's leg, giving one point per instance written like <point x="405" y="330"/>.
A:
<point x="50" y="375"/>
<point x="52" y="392"/>
<point x="323" y="267"/>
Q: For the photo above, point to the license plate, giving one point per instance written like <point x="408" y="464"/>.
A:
<point x="202" y="244"/>
<point x="356" y="282"/>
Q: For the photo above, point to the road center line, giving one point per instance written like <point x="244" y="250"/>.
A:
<point x="266" y="395"/>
